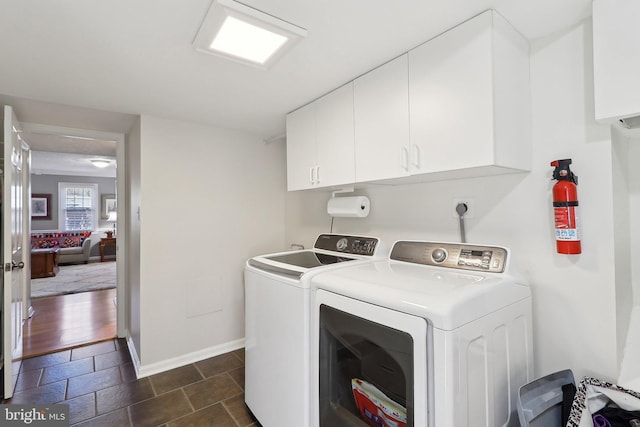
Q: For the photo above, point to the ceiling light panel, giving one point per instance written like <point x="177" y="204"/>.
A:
<point x="247" y="41"/>
<point x="241" y="33"/>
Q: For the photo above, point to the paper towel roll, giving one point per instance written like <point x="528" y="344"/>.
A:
<point x="349" y="207"/>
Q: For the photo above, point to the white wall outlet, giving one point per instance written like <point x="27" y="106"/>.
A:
<point x="469" y="201"/>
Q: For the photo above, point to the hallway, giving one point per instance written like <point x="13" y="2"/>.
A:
<point x="67" y="321"/>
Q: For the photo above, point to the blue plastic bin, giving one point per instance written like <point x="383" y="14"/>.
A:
<point x="540" y="401"/>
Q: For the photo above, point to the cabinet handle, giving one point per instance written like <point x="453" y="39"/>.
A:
<point x="314" y="175"/>
<point x="416" y="156"/>
<point x="405" y="158"/>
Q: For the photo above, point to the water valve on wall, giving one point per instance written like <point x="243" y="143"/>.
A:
<point x="461" y="209"/>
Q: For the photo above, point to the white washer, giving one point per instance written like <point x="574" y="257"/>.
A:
<point x="442" y="330"/>
<point x="277" y="324"/>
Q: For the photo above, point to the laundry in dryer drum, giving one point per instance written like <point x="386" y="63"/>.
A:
<point x="375" y="407"/>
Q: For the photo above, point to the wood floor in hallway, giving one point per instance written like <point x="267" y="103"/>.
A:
<point x="68" y="321"/>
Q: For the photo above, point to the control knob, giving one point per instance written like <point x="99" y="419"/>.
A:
<point x="439" y="255"/>
<point x="341" y="245"/>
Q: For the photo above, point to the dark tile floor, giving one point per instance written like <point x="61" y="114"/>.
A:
<point x="98" y="383"/>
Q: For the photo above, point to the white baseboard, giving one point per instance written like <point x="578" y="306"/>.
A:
<point x="185" y="359"/>
<point x="134" y="354"/>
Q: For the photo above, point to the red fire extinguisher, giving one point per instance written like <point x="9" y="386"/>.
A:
<point x="565" y="207"/>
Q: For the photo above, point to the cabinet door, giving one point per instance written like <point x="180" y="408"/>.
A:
<point x="616" y="63"/>
<point x="334" y="137"/>
<point x="381" y="122"/>
<point x="450" y="99"/>
<point x="301" y="147"/>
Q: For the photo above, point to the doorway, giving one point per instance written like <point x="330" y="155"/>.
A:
<point x="67" y="321"/>
<point x="64" y="155"/>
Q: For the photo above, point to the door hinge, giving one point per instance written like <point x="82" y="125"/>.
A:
<point x="7" y="266"/>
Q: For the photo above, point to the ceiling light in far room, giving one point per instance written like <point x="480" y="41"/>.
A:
<point x="241" y="33"/>
<point x="100" y="163"/>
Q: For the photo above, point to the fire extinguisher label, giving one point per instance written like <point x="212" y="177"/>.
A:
<point x="567" y="223"/>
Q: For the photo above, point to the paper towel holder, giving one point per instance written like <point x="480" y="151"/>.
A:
<point x="347" y="189"/>
<point x="349" y="207"/>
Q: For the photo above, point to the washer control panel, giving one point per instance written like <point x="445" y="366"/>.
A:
<point x="461" y="256"/>
<point x="355" y="245"/>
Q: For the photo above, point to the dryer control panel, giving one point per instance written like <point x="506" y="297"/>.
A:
<point x="460" y="256"/>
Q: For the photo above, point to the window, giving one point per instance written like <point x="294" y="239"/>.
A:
<point x="78" y="206"/>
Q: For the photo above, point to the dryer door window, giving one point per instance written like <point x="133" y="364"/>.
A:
<point x="371" y="370"/>
<point x="366" y="371"/>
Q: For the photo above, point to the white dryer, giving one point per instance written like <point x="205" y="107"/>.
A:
<point x="437" y="335"/>
<point x="277" y="324"/>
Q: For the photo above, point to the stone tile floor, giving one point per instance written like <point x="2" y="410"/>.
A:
<point x="98" y="383"/>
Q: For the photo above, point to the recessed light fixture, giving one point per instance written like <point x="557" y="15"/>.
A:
<point x="100" y="163"/>
<point x="241" y="33"/>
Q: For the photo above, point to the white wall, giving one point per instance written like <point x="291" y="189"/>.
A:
<point x="622" y="236"/>
<point x="634" y="209"/>
<point x="209" y="199"/>
<point x="573" y="295"/>
<point x="626" y="156"/>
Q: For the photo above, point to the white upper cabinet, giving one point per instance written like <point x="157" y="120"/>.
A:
<point x="469" y="100"/>
<point x="616" y="61"/>
<point x="301" y="147"/>
<point x="457" y="106"/>
<point x="320" y="142"/>
<point x="381" y="114"/>
<point x="334" y="130"/>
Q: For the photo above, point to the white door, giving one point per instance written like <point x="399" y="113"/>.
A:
<point x="14" y="249"/>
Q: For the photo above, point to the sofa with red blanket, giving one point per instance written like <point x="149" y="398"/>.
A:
<point x="74" y="245"/>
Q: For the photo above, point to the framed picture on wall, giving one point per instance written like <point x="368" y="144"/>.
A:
<point x="108" y="205"/>
<point x="41" y="206"/>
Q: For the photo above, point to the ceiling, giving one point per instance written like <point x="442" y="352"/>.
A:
<point x="64" y="163"/>
<point x="96" y="65"/>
